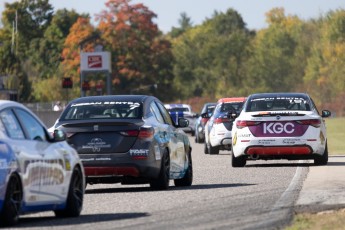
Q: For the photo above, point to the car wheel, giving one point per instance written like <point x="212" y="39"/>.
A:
<point x="75" y="196"/>
<point x="322" y="160"/>
<point x="187" y="180"/>
<point x="197" y="138"/>
<point x="162" y="182"/>
<point x="238" y="162"/>
<point x="214" y="150"/>
<point x="205" y="148"/>
<point x="12" y="203"/>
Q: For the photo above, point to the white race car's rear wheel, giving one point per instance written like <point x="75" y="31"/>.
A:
<point x="322" y="160"/>
<point x="12" y="203"/>
<point x="238" y="162"/>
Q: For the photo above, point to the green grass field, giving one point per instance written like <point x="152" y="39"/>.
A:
<point x="333" y="219"/>
<point x="336" y="135"/>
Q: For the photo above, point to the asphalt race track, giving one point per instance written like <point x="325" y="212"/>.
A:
<point x="259" y="196"/>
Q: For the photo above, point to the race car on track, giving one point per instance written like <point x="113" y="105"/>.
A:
<point x="279" y="126"/>
<point x="183" y="110"/>
<point x="201" y="122"/>
<point x="218" y="127"/>
<point x="128" y="139"/>
<point x="38" y="172"/>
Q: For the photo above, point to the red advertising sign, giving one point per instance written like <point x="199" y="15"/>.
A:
<point x="94" y="61"/>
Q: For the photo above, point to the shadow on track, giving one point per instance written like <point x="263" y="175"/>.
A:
<point x="82" y="219"/>
<point x="171" y="188"/>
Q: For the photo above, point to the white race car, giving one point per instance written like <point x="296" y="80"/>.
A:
<point x="38" y="172"/>
<point x="279" y="126"/>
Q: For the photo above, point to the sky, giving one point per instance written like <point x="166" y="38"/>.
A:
<point x="169" y="12"/>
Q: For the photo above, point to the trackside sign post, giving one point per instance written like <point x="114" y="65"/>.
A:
<point x="95" y="62"/>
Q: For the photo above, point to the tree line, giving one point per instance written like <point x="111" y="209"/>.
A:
<point x="219" y="58"/>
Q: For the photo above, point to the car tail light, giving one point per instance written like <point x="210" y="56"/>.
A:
<point x="313" y="122"/>
<point x="204" y="120"/>
<point x="130" y="133"/>
<point x="146" y="133"/>
<point x="242" y="124"/>
<point x="220" y="120"/>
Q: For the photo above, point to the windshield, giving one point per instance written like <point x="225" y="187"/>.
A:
<point x="103" y="110"/>
<point x="278" y="104"/>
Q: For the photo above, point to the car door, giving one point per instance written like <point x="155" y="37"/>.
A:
<point x="176" y="144"/>
<point x="51" y="164"/>
<point x="27" y="157"/>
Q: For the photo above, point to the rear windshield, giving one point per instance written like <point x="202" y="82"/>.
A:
<point x="232" y="106"/>
<point x="278" y="104"/>
<point x="103" y="110"/>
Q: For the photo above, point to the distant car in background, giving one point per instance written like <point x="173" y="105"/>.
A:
<point x="279" y="126"/>
<point x="201" y="122"/>
<point x="128" y="139"/>
<point x="218" y="127"/>
<point x="177" y="111"/>
<point x="38" y="171"/>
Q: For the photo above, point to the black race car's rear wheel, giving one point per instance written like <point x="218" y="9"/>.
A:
<point x="12" y="203"/>
<point x="162" y="182"/>
<point x="187" y="180"/>
<point x="75" y="196"/>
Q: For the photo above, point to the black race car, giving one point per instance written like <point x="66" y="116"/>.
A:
<point x="128" y="139"/>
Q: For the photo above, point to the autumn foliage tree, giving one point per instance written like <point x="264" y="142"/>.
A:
<point x="79" y="32"/>
<point x="140" y="56"/>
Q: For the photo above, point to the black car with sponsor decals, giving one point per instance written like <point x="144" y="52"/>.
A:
<point x="128" y="139"/>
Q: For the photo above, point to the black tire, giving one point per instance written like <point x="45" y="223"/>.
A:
<point x="196" y="138"/>
<point x="322" y="160"/>
<point x="213" y="150"/>
<point x="162" y="182"/>
<point x="75" y="196"/>
<point x="238" y="162"/>
<point x="12" y="203"/>
<point x="205" y="148"/>
<point x="187" y="180"/>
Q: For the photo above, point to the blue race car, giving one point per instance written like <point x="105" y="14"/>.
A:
<point x="38" y="172"/>
<point x="177" y="111"/>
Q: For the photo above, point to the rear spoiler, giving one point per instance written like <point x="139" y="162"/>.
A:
<point x="282" y="114"/>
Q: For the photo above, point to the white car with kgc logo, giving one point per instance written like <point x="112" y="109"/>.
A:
<point x="279" y="126"/>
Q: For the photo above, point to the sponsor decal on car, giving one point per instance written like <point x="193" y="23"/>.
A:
<point x="234" y="141"/>
<point x="266" y="142"/>
<point x="131" y="104"/>
<point x="3" y="164"/>
<point x="322" y="138"/>
<point x="139" y="152"/>
<point x="278" y="129"/>
<point x="157" y="152"/>
<point x="96" y="144"/>
<point x="291" y="141"/>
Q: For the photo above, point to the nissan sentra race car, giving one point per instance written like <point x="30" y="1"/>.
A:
<point x="279" y="126"/>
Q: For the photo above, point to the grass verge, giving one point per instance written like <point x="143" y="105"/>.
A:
<point x="334" y="219"/>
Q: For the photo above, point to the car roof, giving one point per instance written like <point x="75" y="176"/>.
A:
<point x="7" y="103"/>
<point x="138" y="98"/>
<point x="281" y="94"/>
<point x="231" y="99"/>
<point x="177" y="106"/>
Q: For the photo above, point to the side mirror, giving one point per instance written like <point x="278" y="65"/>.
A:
<point x="183" y="122"/>
<point x="205" y="115"/>
<point x="59" y="135"/>
<point x="325" y="113"/>
<point x="232" y="115"/>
